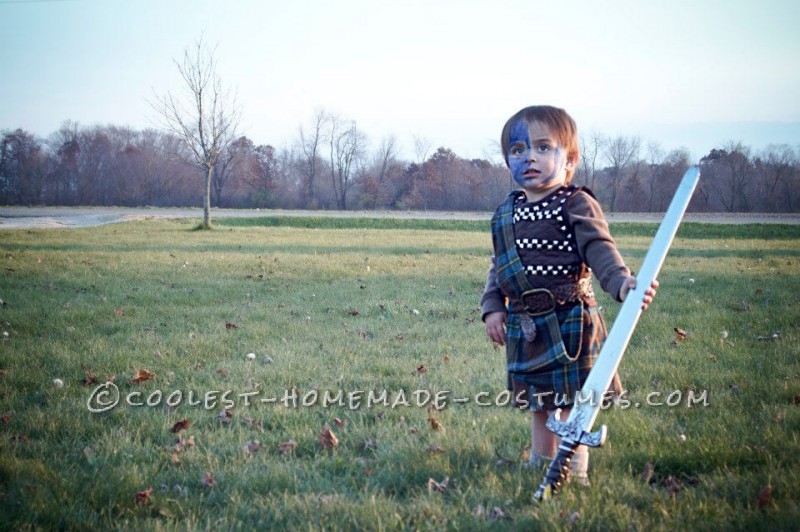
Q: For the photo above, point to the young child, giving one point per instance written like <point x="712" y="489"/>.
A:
<point x="548" y="237"/>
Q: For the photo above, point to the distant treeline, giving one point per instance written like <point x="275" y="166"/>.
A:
<point x="331" y="166"/>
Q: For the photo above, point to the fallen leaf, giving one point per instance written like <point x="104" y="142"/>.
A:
<point x="765" y="496"/>
<point x="222" y="372"/>
<point x="672" y="485"/>
<point x="119" y="312"/>
<point x="680" y="334"/>
<point x="208" y="480"/>
<point x="251" y="447"/>
<point x="354" y="312"/>
<point x="142" y="497"/>
<point x="225" y="416"/>
<point x="251" y="422"/>
<point x="183" y="443"/>
<point x="231" y="325"/>
<point x="287" y="447"/>
<point x="91" y="378"/>
<point x="338" y="422"/>
<point x="435" y="423"/>
<point x="5" y="419"/>
<point x="183" y="424"/>
<point x="446" y="358"/>
<point x="441" y="487"/>
<point x="143" y="375"/>
<point x="647" y="472"/>
<point x="174" y="458"/>
<point x="111" y="378"/>
<point x="327" y="438"/>
<point x="420" y="369"/>
<point x="435" y="448"/>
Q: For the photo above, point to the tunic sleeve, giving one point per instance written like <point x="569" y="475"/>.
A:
<point x="492" y="299"/>
<point x="595" y="244"/>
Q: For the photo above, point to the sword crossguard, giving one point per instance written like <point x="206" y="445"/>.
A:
<point x="573" y="430"/>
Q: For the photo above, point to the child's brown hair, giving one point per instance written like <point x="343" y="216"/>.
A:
<point x="560" y="124"/>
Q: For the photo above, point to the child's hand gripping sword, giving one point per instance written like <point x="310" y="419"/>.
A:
<point x="576" y="430"/>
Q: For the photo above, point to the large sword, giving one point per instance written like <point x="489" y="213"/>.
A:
<point x="577" y="429"/>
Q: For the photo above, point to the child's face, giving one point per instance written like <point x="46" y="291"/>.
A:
<point x="538" y="163"/>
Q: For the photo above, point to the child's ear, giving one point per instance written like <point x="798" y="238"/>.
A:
<point x="572" y="160"/>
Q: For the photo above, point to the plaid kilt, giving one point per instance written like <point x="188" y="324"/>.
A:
<point x="547" y="373"/>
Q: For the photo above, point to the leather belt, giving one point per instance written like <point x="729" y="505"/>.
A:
<point x="541" y="301"/>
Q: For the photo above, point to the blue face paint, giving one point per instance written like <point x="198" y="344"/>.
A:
<point x="519" y="138"/>
<point x="535" y="158"/>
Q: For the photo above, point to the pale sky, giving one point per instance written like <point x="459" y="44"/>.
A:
<point x="682" y="73"/>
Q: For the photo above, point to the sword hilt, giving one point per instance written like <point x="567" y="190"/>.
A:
<point x="572" y="435"/>
<point x="557" y="472"/>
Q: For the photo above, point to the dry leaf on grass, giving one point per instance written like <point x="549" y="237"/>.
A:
<point x="208" y="480"/>
<point x="420" y="370"/>
<point x="111" y="378"/>
<point x="327" y="438"/>
<point x="338" y="422"/>
<point x="435" y="448"/>
<point x="287" y="447"/>
<point x="251" y="422"/>
<point x="231" y="325"/>
<point x="441" y="487"/>
<point x="765" y="496"/>
<point x="183" y="444"/>
<point x="91" y="378"/>
<point x="143" y="375"/>
<point x="251" y="447"/>
<point x="647" y="472"/>
<point x="225" y="416"/>
<point x="435" y="423"/>
<point x="183" y="424"/>
<point x="119" y="312"/>
<point x="680" y="334"/>
<point x="143" y="497"/>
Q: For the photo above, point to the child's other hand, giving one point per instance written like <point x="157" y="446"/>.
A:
<point x="630" y="284"/>
<point x="496" y="326"/>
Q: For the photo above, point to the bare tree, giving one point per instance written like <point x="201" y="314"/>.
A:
<point x="309" y="145"/>
<point x="422" y="148"/>
<point x="620" y="152"/>
<point x="347" y="147"/>
<point x="590" y="151"/>
<point x="205" y="116"/>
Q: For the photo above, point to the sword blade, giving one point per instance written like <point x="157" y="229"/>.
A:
<point x="613" y="348"/>
<point x="576" y="430"/>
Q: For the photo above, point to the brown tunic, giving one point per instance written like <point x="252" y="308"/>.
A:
<point x="559" y="238"/>
<point x="594" y="248"/>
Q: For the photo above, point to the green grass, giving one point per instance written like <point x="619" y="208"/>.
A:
<point x="360" y="307"/>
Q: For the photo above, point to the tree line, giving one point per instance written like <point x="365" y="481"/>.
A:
<point x="331" y="164"/>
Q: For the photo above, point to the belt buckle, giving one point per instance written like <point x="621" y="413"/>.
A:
<point x="534" y="293"/>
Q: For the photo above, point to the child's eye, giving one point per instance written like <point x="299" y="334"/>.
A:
<point x="517" y="150"/>
<point x="544" y="148"/>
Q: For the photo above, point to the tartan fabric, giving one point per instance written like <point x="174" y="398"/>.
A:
<point x="558" y="360"/>
<point x="555" y="386"/>
<point x="511" y="276"/>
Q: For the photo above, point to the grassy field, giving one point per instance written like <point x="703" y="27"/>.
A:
<point x="356" y="307"/>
